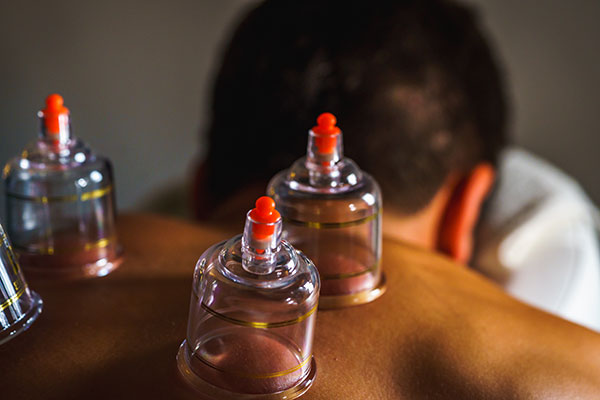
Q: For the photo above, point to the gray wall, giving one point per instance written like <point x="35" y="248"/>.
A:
<point x="551" y="49"/>
<point x="135" y="75"/>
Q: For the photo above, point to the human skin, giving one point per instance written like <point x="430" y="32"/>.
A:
<point x="441" y="331"/>
<point x="71" y="259"/>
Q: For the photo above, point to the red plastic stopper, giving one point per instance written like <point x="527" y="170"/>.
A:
<point x="326" y="133"/>
<point x="264" y="213"/>
<point x="54" y="109"/>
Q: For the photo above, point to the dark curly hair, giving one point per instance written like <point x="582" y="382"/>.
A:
<point x="414" y="84"/>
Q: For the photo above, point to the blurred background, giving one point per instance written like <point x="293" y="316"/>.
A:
<point x="137" y="77"/>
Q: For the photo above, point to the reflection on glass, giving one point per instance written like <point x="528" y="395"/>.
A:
<point x="19" y="306"/>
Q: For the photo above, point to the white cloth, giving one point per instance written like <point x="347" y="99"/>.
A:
<point x="538" y="239"/>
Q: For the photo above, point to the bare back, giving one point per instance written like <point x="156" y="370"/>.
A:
<point x="443" y="331"/>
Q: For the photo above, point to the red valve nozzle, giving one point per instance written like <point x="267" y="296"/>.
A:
<point x="54" y="109"/>
<point x="326" y="133"/>
<point x="264" y="217"/>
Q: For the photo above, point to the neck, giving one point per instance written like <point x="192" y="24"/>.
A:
<point x="421" y="228"/>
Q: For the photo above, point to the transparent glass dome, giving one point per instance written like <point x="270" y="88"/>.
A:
<point x="252" y="315"/>
<point x="331" y="211"/>
<point x="19" y="306"/>
<point x="60" y="203"/>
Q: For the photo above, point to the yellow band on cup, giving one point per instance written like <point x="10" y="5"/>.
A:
<point x="260" y="325"/>
<point x="94" y="194"/>
<point x="257" y="376"/>
<point x="10" y="254"/>
<point x="353" y="299"/>
<point x="327" y="277"/>
<point x="50" y="250"/>
<point x="330" y="225"/>
<point x="12" y="299"/>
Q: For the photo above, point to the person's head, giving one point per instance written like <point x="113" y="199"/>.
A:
<point x="415" y="88"/>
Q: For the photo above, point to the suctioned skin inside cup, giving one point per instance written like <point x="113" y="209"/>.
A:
<point x="346" y="256"/>
<point x="73" y="257"/>
<point x="245" y="361"/>
<point x="345" y="266"/>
